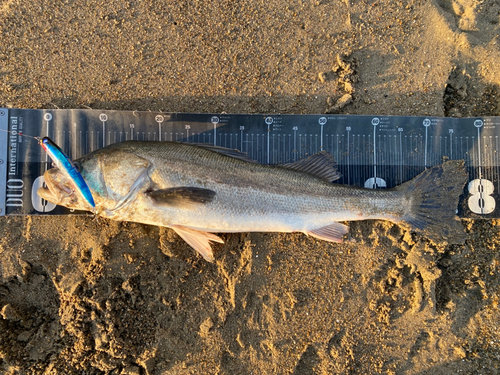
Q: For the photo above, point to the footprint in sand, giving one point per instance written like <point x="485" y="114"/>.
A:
<point x="473" y="16"/>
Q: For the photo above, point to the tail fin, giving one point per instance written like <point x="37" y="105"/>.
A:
<point x="434" y="196"/>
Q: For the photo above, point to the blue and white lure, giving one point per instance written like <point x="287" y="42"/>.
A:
<point x="66" y="166"/>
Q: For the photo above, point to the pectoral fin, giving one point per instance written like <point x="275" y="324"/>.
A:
<point x="198" y="240"/>
<point x="332" y="232"/>
<point x="181" y="196"/>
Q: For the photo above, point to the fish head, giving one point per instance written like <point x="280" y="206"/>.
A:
<point x="113" y="176"/>
<point x="60" y="190"/>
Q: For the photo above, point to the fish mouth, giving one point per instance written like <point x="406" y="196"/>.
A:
<point x="58" y="189"/>
<point x="46" y="194"/>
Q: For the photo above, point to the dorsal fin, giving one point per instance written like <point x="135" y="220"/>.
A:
<point x="321" y="165"/>
<point x="234" y="153"/>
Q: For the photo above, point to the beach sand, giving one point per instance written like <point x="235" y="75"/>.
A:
<point x="81" y="296"/>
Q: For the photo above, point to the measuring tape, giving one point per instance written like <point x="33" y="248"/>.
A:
<point x="377" y="152"/>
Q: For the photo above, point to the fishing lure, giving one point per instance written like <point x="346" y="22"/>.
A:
<point x="65" y="164"/>
<point x="62" y="162"/>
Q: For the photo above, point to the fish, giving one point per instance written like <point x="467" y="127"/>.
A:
<point x="200" y="190"/>
<point x="74" y="182"/>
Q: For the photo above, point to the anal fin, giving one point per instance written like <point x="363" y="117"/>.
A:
<point x="332" y="232"/>
<point x="198" y="240"/>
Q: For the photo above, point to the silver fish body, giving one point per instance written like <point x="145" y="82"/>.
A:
<point x="200" y="190"/>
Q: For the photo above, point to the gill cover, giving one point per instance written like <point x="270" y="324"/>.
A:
<point x="115" y="176"/>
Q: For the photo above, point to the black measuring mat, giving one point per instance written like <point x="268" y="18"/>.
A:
<point x="371" y="151"/>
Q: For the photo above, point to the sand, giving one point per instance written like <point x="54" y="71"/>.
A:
<point x="80" y="296"/>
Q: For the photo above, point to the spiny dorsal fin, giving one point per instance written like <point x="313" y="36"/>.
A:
<point x="321" y="165"/>
<point x="181" y="196"/>
<point x="226" y="151"/>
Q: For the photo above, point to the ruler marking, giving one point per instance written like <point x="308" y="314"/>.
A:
<point x="268" y="135"/>
<point x="348" y="157"/>
<point x="321" y="138"/>
<point x="496" y="164"/>
<point x="479" y="161"/>
<point x="374" y="159"/>
<point x="479" y="154"/>
<point x="400" y="130"/>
